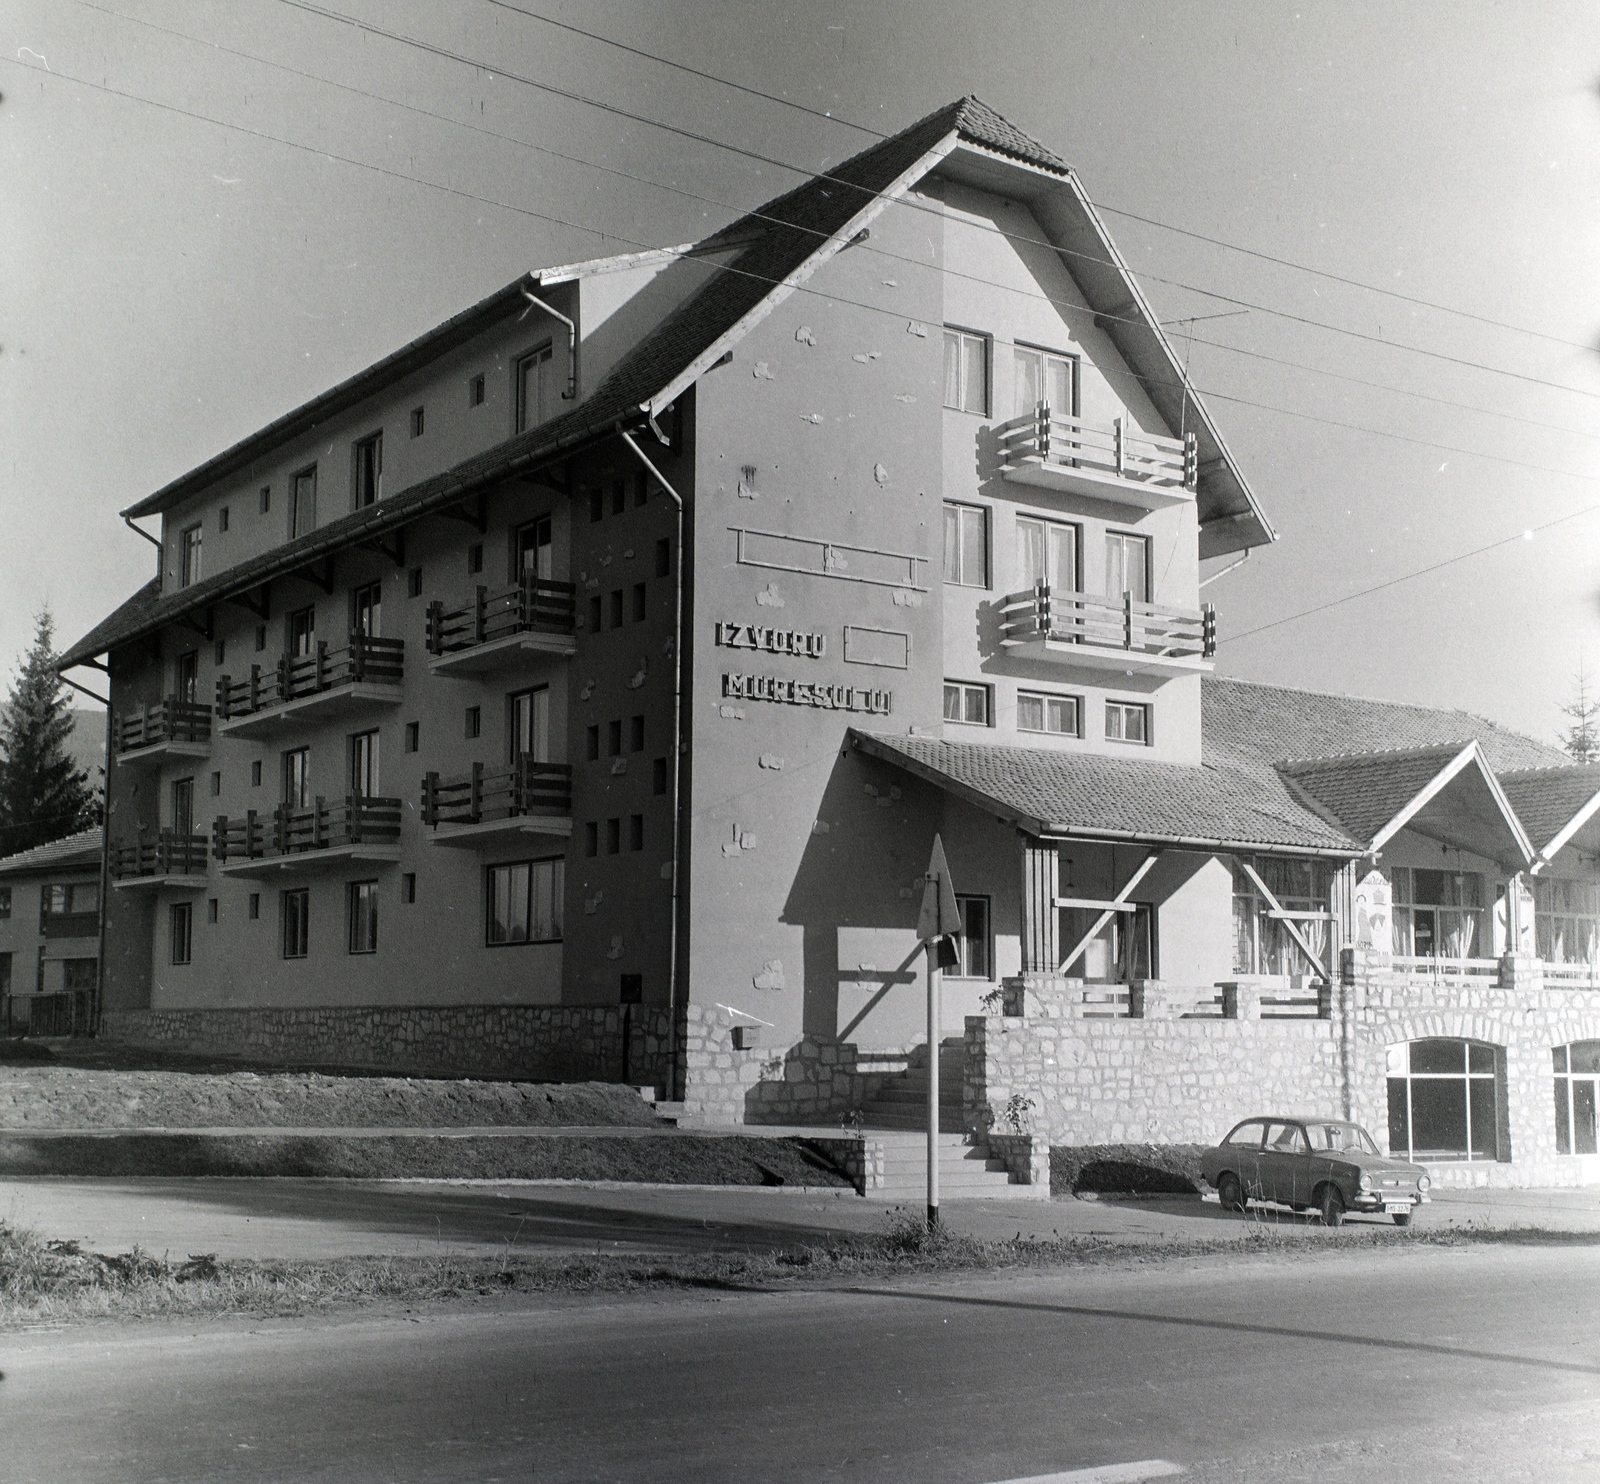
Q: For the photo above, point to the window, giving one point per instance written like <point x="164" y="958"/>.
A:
<point x="475" y="559"/>
<point x="216" y="785"/>
<point x="417" y="422"/>
<point x="1577" y="1068"/>
<point x="1246" y="1136"/>
<point x="1127" y="566"/>
<point x="1566" y="917"/>
<point x="255" y="906"/>
<point x="474" y="721"/>
<point x="367" y="478"/>
<point x="362" y="904"/>
<point x="613" y="836"/>
<point x="966" y="372"/>
<point x="414" y="583"/>
<point x="413" y="735"/>
<point x="636" y="832"/>
<point x="1261" y="942"/>
<point x="619" y="496"/>
<point x="180" y="931"/>
<point x="966" y="545"/>
<point x="616" y="609"/>
<point x="965" y="703"/>
<point x="297" y="778"/>
<point x="591" y="838"/>
<point x="528" y="724"/>
<point x="300" y="632"/>
<point x="1047" y="552"/>
<point x="266" y="498"/>
<point x="636" y="734"/>
<point x="408" y="887"/>
<point x="364" y="764"/>
<point x="81" y="899"/>
<point x="1123" y="951"/>
<point x="255" y="773"/>
<point x="1061" y="716"/>
<point x="1127" y="721"/>
<point x="183" y="806"/>
<point x="597" y="504"/>
<point x="658" y="776"/>
<point x="303" y="502"/>
<point x="1438" y="914"/>
<point x="974" y="944"/>
<point x="222" y="519"/>
<point x="524" y="901"/>
<point x="1038" y="376"/>
<point x="594" y="615"/>
<point x="366" y="609"/>
<point x="189" y="556"/>
<point x="475" y="391"/>
<point x="1445" y="1099"/>
<point x="261" y="637"/>
<point x="296" y="917"/>
<point x="639" y="604"/>
<point x="592" y="742"/>
<point x="211" y="909"/>
<point x="614" y="738"/>
<point x="664" y="557"/>
<point x="188" y="677"/>
<point x="532" y="552"/>
<point x="536" y="390"/>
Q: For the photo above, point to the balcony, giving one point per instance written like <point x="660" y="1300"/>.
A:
<point x="170" y="859"/>
<point x="356" y="828"/>
<point x="523" y="798"/>
<point x="1116" y="463"/>
<point x="1106" y="633"/>
<point x="364" y="674"/>
<point x="170" y="728"/>
<point x="504" y="629"/>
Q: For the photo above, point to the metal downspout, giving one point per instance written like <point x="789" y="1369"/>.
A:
<point x="572" y="345"/>
<point x="677" y="755"/>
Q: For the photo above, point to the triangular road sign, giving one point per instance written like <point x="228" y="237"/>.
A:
<point x="941" y="917"/>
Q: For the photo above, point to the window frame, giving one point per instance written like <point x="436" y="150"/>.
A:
<point x="297" y="917"/>
<point x="287" y="771"/>
<point x="366" y="470"/>
<point x="1045" y="698"/>
<point x="180" y="939"/>
<point x="962" y="338"/>
<point x="1121" y="709"/>
<point x="366" y="609"/>
<point x="556" y="887"/>
<point x="1112" y="534"/>
<point x="1074" y="363"/>
<point x="965" y="969"/>
<point x="536" y="355"/>
<point x="364" y="753"/>
<point x="542" y="546"/>
<point x="190" y="548"/>
<point x="962" y="509"/>
<point x="514" y="706"/>
<point x="361" y="921"/>
<point x="301" y="482"/>
<point x="1046" y="523"/>
<point x="966" y="688"/>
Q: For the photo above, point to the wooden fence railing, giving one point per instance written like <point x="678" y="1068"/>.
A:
<point x="166" y="853"/>
<point x="356" y="819"/>
<point x="363" y="659"/>
<point x="1119" y="449"/>
<point x="533" y="604"/>
<point x="170" y="720"/>
<point x="1042" y="612"/>
<point x="525" y="787"/>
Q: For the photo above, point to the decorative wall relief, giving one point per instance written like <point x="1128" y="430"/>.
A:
<point x="762" y="372"/>
<point x="798" y="642"/>
<point x="770" y="761"/>
<point x="808" y="693"/>
<point x="804" y="335"/>
<point x="770" y="597"/>
<point x="770" y="975"/>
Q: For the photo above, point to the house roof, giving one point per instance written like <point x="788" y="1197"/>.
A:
<point x="1047" y="792"/>
<point x="777" y="246"/>
<point x="74" y="852"/>
<point x="1555" y="804"/>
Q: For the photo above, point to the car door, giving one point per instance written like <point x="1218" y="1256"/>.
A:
<point x="1285" y="1158"/>
<point x="1242" y="1153"/>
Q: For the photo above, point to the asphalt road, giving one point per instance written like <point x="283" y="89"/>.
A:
<point x="1437" y="1364"/>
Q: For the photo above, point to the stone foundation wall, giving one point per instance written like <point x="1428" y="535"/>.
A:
<point x="1026" y="1158"/>
<point x="540" y="1043"/>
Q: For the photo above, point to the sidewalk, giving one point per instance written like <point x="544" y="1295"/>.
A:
<point x="291" y="1218"/>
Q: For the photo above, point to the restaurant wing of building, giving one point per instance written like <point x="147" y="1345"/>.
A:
<point x="50" y="937"/>
<point x="578" y="691"/>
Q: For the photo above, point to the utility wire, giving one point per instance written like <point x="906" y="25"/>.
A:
<point x="479" y="66"/>
<point x="830" y="117"/>
<point x="761" y="278"/>
<point x="1054" y="302"/>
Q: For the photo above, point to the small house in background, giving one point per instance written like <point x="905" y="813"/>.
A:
<point x="50" y="937"/>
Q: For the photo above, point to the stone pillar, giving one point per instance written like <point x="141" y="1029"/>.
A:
<point x="1518" y="971"/>
<point x="1040" y="916"/>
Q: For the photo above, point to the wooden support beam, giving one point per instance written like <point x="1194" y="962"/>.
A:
<point x="1276" y="910"/>
<point x="395" y="550"/>
<point x="260" y="605"/>
<point x="1100" y="922"/>
<point x="322" y="579"/>
<point x="1093" y="904"/>
<point x="475" y="512"/>
<point x="202" y="629"/>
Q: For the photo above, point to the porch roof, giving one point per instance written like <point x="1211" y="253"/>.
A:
<point x="1045" y="792"/>
<point x="1557" y="806"/>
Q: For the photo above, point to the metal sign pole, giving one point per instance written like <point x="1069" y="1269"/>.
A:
<point x="934" y="978"/>
<point x="938" y="925"/>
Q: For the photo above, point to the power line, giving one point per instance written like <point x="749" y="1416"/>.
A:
<point x="871" y="247"/>
<point x="612" y="108"/>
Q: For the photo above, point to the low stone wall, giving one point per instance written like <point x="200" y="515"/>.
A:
<point x="1026" y="1158"/>
<point x="539" y="1043"/>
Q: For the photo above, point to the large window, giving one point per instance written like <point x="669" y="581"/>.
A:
<point x="180" y="931"/>
<point x="1047" y="552"/>
<point x="976" y="957"/>
<point x="1128" y="721"/>
<point x="533" y="551"/>
<point x="362" y="910"/>
<point x="189" y="557"/>
<point x="1124" y="950"/>
<point x="364" y="764"/>
<point x="966" y="545"/>
<point x="297" y="778"/>
<point x="966" y="703"/>
<point x="1060" y="716"/>
<point x="535" y="387"/>
<point x="300" y="632"/>
<point x="524" y="901"/>
<point x="1039" y="376"/>
<point x="1262" y="944"/>
<point x="367" y="480"/>
<point x="1127" y="566"/>
<point x="1577" y="1069"/>
<point x="296" y="920"/>
<point x="966" y="371"/>
<point x="303" y="503"/>
<point x="187" y="677"/>
<point x="528" y="724"/>
<point x="1439" y="914"/>
<point x="183" y="806"/>
<point x="366" y="609"/>
<point x="1444" y="1100"/>
<point x="1566" y="917"/>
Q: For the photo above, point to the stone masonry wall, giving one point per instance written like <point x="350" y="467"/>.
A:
<point x="543" y="1043"/>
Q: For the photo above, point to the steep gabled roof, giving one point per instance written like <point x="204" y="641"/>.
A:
<point x="73" y="853"/>
<point x="1555" y="804"/>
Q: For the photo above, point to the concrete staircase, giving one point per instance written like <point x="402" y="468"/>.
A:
<point x="901" y="1102"/>
<point x="964" y="1171"/>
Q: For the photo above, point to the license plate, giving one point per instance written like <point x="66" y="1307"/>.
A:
<point x="1396" y="1208"/>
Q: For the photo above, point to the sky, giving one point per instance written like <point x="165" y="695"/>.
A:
<point x="194" y="241"/>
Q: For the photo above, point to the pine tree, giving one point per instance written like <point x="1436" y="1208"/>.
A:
<point x="43" y="795"/>
<point x="1581" y="741"/>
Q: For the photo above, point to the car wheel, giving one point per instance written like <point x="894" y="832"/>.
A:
<point x="1230" y="1193"/>
<point x="1402" y="1218"/>
<point x="1332" y="1206"/>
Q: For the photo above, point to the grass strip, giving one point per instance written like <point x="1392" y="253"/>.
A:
<point x="53" y="1284"/>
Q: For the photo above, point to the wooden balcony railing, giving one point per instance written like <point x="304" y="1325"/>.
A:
<point x="356" y="819"/>
<point x="1120" y="451"/>
<point x="170" y="720"/>
<point x="1572" y="976"/>
<point x="296" y="676"/>
<point x="521" y="788"/>
<point x="167" y="853"/>
<point x="1446" y="970"/>
<point x="535" y="604"/>
<point x="1107" y="623"/>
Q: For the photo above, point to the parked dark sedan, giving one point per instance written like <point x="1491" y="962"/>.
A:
<point x="1326" y="1165"/>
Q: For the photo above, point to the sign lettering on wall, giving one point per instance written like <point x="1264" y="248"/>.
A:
<point x="807" y="693"/>
<point x="810" y="646"/>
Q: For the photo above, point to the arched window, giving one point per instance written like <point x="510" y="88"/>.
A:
<point x="1577" y="1068"/>
<point x="1444" y="1100"/>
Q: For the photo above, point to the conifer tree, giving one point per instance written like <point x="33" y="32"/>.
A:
<point x="43" y="794"/>
<point x="1581" y="741"/>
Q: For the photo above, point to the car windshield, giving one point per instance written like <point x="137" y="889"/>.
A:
<point x="1341" y="1138"/>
